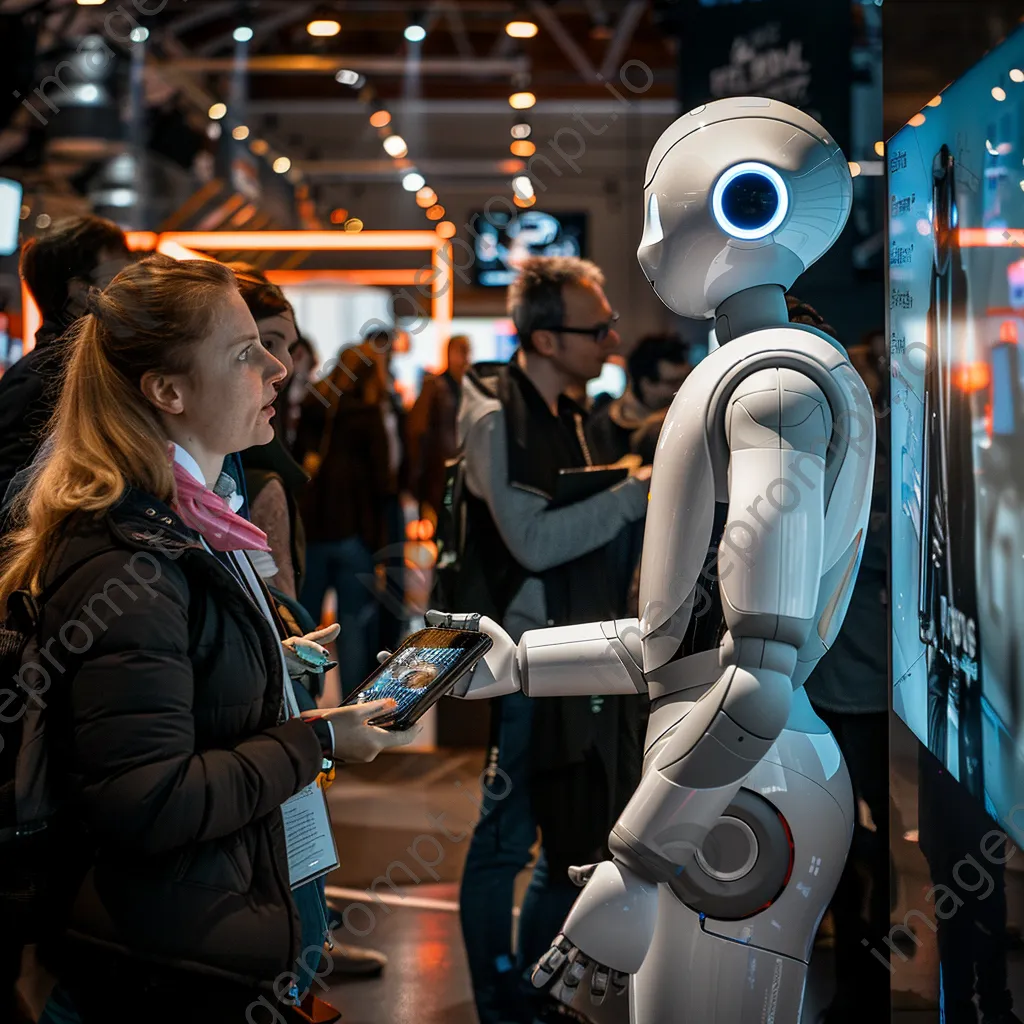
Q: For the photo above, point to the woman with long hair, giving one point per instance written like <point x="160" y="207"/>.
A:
<point x="171" y="731"/>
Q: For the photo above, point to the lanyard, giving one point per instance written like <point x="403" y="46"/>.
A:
<point x="238" y="564"/>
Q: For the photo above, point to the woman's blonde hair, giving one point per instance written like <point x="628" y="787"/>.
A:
<point x="105" y="435"/>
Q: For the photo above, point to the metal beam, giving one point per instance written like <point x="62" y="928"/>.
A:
<point x="318" y="64"/>
<point x="565" y="41"/>
<point x="261" y="29"/>
<point x="377" y="170"/>
<point x="463" y="108"/>
<point x="623" y="35"/>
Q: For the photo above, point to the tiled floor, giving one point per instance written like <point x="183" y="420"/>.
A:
<point x="382" y="815"/>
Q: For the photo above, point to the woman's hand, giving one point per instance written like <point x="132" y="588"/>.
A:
<point x="307" y="653"/>
<point x="354" y="738"/>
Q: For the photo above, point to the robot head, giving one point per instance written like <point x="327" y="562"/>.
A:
<point x="740" y="192"/>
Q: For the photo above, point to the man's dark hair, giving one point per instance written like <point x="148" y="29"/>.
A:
<point x="535" y="300"/>
<point x="801" y="312"/>
<point x="652" y="349"/>
<point x="70" y="249"/>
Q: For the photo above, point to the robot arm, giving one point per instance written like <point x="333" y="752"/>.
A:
<point x="778" y="424"/>
<point x="564" y="661"/>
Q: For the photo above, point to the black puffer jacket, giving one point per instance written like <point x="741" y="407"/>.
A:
<point x="171" y="751"/>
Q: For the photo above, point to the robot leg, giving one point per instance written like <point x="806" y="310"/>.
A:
<point x="734" y="934"/>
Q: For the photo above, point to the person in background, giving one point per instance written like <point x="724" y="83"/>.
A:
<point x="392" y="620"/>
<point x="273" y="479"/>
<point x="849" y="689"/>
<point x="431" y="428"/>
<point x="174" y="739"/>
<point x="556" y="764"/>
<point x="346" y="447"/>
<point x="59" y="267"/>
<point x="630" y="425"/>
<point x="305" y="361"/>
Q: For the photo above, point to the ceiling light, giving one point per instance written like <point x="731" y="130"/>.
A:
<point x="282" y="165"/>
<point x="524" y="204"/>
<point x="521" y="29"/>
<point x="934" y="101"/>
<point x="353" y="224"/>
<point x="916" y="121"/>
<point x="413" y="181"/>
<point x="521" y="130"/>
<point x="522" y="186"/>
<point x="259" y="146"/>
<point x="339" y="216"/>
<point x="415" y="32"/>
<point x="999" y="93"/>
<point x="1016" y="75"/>
<point x="346" y="76"/>
<point x="521" y="100"/>
<point x="43" y="221"/>
<point x="446" y="229"/>
<point x="855" y="169"/>
<point x="139" y="35"/>
<point x="25" y="211"/>
<point x="213" y="130"/>
<point x="88" y="93"/>
<point x="217" y="111"/>
<point x="880" y="149"/>
<point x="522" y="147"/>
<point x="394" y="145"/>
<point x="242" y="34"/>
<point x="240" y="133"/>
<point x="426" y="197"/>
<point x="435" y="212"/>
<point x="90" y="3"/>
<point x="380" y="119"/>
<point x="324" y="28"/>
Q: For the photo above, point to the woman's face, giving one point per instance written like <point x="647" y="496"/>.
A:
<point x="224" y="403"/>
<point x="279" y="336"/>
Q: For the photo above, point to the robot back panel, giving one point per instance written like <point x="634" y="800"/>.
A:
<point x="688" y="544"/>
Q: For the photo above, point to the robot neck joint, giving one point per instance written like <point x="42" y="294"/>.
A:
<point x="752" y="309"/>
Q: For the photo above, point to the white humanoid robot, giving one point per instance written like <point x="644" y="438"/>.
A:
<point x="728" y="853"/>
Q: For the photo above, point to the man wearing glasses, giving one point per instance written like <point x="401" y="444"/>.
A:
<point x="528" y="560"/>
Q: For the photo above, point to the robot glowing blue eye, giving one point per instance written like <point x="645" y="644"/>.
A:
<point x="750" y="201"/>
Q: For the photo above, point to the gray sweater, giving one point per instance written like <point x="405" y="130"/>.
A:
<point x="538" y="538"/>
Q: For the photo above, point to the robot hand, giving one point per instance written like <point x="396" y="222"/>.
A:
<point x="497" y="673"/>
<point x="305" y="654"/>
<point x="610" y="927"/>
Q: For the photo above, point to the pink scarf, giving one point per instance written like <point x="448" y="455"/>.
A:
<point x="211" y="516"/>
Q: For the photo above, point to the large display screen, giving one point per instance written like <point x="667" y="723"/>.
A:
<point x="956" y="324"/>
<point x="503" y="241"/>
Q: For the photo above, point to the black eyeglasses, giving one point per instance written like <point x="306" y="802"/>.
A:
<point x="598" y="333"/>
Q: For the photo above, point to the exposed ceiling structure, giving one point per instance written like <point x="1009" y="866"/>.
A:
<point x="449" y="92"/>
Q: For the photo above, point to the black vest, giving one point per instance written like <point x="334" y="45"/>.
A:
<point x="538" y="445"/>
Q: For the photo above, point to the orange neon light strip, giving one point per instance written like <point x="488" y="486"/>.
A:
<point x="186" y="245"/>
<point x="31" y="319"/>
<point x="370" y="277"/>
<point x="329" y="241"/>
<point x="990" y="238"/>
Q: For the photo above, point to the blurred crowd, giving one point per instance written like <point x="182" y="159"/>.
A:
<point x="175" y="413"/>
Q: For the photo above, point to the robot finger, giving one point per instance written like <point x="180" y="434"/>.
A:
<point x="552" y="961"/>
<point x="599" y="984"/>
<point x="580" y="875"/>
<point x="576" y="969"/>
<point x="453" y="620"/>
<point x="620" y="982"/>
